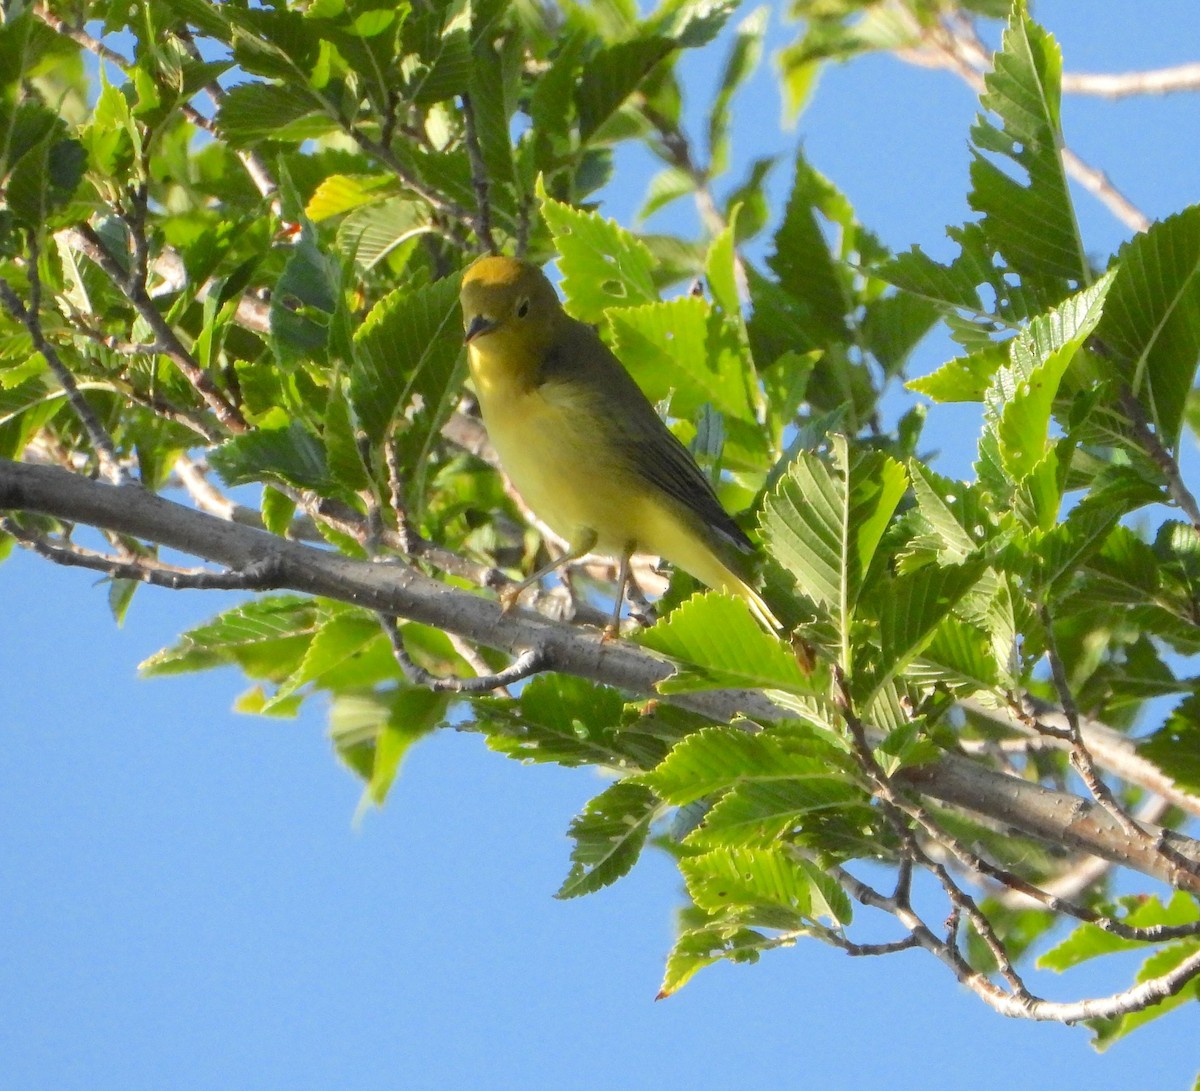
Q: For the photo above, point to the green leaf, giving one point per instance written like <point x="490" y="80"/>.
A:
<point x="1088" y="941"/>
<point x="1023" y="394"/>
<point x="743" y="58"/>
<point x="305" y="303"/>
<point x="345" y="464"/>
<point x="602" y="264"/>
<point x="824" y="524"/>
<point x="447" y="73"/>
<point x="277" y="511"/>
<point x="720" y="642"/>
<point x="253" y="112"/>
<point x="696" y="948"/>
<point x="685" y="351"/>
<point x="1032" y="223"/>
<point x="1159" y="963"/>
<point x="339" y="193"/>
<point x="404" y="356"/>
<point x="1151" y="323"/>
<point x="373" y="233"/>
<point x="668" y="185"/>
<point x="45" y="178"/>
<point x="963" y="379"/>
<point x="611" y="76"/>
<point x="913" y="606"/>
<point x="1175" y="747"/>
<point x="563" y="719"/>
<point x="953" y="511"/>
<point x="373" y="732"/>
<point x="734" y="879"/>
<point x="959" y="656"/>
<point x="494" y="85"/>
<point x="894" y="325"/>
<point x="608" y="837"/>
<point x="802" y="260"/>
<point x="761" y="811"/>
<point x="715" y="759"/>
<point x="266" y="638"/>
<point x="292" y="455"/>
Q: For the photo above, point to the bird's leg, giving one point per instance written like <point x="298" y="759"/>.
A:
<point x="614" y="626"/>
<point x="581" y="546"/>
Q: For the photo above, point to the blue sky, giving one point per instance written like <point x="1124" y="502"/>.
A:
<point x="185" y="901"/>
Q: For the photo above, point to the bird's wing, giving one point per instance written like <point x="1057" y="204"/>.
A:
<point x="582" y="359"/>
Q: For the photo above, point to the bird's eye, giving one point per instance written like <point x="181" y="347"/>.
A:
<point x="523" y="308"/>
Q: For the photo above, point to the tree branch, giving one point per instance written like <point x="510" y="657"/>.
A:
<point x="1113" y="85"/>
<point x="1058" y="818"/>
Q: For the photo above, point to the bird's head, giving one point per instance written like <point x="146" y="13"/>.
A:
<point x="508" y="306"/>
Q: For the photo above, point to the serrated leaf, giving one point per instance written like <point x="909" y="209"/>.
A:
<point x="373" y="732"/>
<point x="803" y="263"/>
<point x="696" y="948"/>
<point x="714" y="759"/>
<point x="952" y="510"/>
<point x="266" y="637"/>
<point x="1175" y="747"/>
<point x="743" y="58"/>
<point x="824" y="524"/>
<point x="684" y="350"/>
<point x="292" y="455"/>
<point x="758" y="812"/>
<point x="1023" y="394"/>
<point x="404" y="350"/>
<point x="277" y="511"/>
<point x="371" y="234"/>
<point x="611" y="76"/>
<point x="567" y="720"/>
<point x="339" y="193"/>
<point x="252" y="112"/>
<point x="602" y="264"/>
<point x="608" y="837"/>
<point x="913" y="606"/>
<point x="963" y="379"/>
<point x="1033" y="222"/>
<point x="721" y="644"/>
<point x="305" y="302"/>
<point x="958" y="656"/>
<point x="668" y="185"/>
<point x="726" y="880"/>
<point x="1151" y="323"/>
<point x="1088" y="941"/>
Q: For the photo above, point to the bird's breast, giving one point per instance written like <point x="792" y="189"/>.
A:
<point x="561" y="459"/>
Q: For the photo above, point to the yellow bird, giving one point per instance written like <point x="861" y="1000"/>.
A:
<point x="581" y="443"/>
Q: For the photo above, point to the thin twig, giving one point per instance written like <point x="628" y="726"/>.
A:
<point x="102" y="442"/>
<point x="1137" y="998"/>
<point x="86" y="240"/>
<point x="894" y="813"/>
<point x="529" y="662"/>
<point x="1162" y="458"/>
<point x="1152" y="81"/>
<point x="260" y="575"/>
<point x="482" y="221"/>
<point x="404" y="533"/>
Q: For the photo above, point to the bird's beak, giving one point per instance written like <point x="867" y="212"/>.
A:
<point x="478" y="326"/>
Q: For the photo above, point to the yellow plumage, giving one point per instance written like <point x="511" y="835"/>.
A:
<point x="581" y="443"/>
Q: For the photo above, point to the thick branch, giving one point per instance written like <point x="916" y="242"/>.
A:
<point x="1054" y="817"/>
